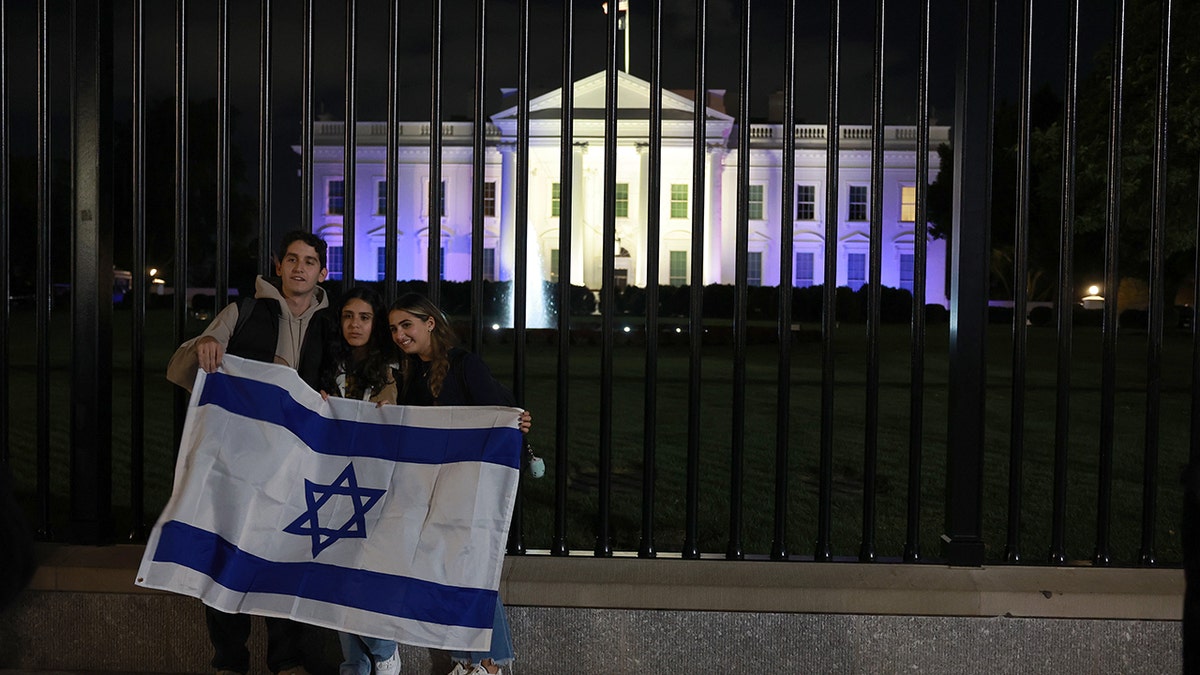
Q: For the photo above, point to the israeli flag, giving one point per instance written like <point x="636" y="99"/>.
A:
<point x="389" y="522"/>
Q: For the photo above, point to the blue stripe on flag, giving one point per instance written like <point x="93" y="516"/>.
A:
<point x="270" y="403"/>
<point x="388" y="594"/>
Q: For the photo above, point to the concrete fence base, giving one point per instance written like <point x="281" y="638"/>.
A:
<point x="82" y="613"/>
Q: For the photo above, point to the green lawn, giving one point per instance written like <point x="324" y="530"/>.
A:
<point x="716" y="420"/>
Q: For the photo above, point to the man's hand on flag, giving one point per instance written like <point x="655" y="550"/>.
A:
<point x="209" y="353"/>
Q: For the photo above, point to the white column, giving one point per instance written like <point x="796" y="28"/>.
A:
<point x="508" y="210"/>
<point x="642" y="241"/>
<point x="578" y="214"/>
<point x="713" y="240"/>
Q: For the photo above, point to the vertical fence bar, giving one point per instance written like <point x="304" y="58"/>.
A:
<point x="566" y="166"/>
<point x="521" y="232"/>
<point x="138" y="287"/>
<point x="824" y="549"/>
<point x="691" y="546"/>
<point x="607" y="287"/>
<point x="264" y="140"/>
<point x="970" y="253"/>
<point x="393" y="151"/>
<point x="1112" y="250"/>
<point x="43" y="273"/>
<point x="787" y="204"/>
<point x="5" y="224"/>
<point x="179" y="301"/>
<point x="478" y="173"/>
<point x="737" y="446"/>
<point x="1065" y="300"/>
<point x="1194" y="439"/>
<point x="653" y="215"/>
<point x="916" y="394"/>
<point x="221" y="290"/>
<point x="866" y="552"/>
<point x="350" y="148"/>
<point x="434" y="272"/>
<point x="1020" y="287"/>
<point x="306" y="123"/>
<point x="1194" y="442"/>
<point x="91" y="518"/>
<point x="1157" y="295"/>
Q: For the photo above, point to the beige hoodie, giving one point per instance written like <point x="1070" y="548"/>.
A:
<point x="183" y="365"/>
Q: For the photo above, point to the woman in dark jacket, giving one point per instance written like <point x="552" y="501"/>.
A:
<point x="434" y="371"/>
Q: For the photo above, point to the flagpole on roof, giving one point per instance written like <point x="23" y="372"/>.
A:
<point x="622" y="6"/>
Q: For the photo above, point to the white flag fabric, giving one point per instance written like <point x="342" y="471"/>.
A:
<point x="389" y="522"/>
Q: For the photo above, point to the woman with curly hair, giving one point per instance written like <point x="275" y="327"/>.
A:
<point x="435" y="371"/>
<point x="359" y="366"/>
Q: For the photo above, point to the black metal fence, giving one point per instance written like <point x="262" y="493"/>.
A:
<point x="106" y="125"/>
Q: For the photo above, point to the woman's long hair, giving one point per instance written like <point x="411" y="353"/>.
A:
<point x="441" y="339"/>
<point x="371" y="372"/>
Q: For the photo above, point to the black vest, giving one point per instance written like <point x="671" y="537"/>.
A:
<point x="256" y="336"/>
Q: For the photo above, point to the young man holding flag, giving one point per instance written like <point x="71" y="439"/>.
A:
<point x="286" y="322"/>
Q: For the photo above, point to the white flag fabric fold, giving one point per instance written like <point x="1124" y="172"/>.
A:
<point x="390" y="522"/>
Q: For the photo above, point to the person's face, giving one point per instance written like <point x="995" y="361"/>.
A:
<point x="300" y="270"/>
<point x="411" y="334"/>
<point x="357" y="320"/>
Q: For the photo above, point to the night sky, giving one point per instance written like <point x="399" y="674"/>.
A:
<point x="768" y="37"/>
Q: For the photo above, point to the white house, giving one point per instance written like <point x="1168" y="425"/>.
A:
<point x="722" y="163"/>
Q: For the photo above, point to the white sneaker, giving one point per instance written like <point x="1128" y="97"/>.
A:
<point x="389" y="666"/>
<point x="460" y="669"/>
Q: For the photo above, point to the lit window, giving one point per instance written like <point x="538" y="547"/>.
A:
<point x="754" y="269"/>
<point x="381" y="198"/>
<point x="554" y="259"/>
<point x="333" y="261"/>
<point x="335" y="203"/>
<point x="489" y="199"/>
<point x="908" y="203"/>
<point x="806" y="202"/>
<point x="679" y="200"/>
<point x="555" y="199"/>
<point x="380" y="263"/>
<point x="754" y="208"/>
<point x="803" y="271"/>
<point x="622" y="200"/>
<point x="678" y="267"/>
<point x="858" y="202"/>
<point x="856" y="270"/>
<point x="489" y="262"/>
<point x="906" y="271"/>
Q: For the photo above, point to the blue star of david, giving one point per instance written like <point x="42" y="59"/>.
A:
<point x="316" y="495"/>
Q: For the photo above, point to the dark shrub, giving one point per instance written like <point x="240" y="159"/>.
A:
<point x="895" y="305"/>
<point x="1002" y="315"/>
<point x="1041" y="316"/>
<point x="1087" y="317"/>
<point x="1136" y="319"/>
<point x="936" y="314"/>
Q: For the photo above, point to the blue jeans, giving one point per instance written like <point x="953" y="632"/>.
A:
<point x="361" y="652"/>
<point x="502" y="648"/>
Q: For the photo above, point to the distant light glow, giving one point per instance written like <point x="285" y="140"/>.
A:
<point x="627" y="329"/>
<point x="1093" y="290"/>
<point x="495" y="326"/>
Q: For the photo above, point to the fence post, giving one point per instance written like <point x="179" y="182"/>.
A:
<point x="91" y="276"/>
<point x="969" y="264"/>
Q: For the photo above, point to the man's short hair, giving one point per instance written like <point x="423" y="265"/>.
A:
<point x="306" y="237"/>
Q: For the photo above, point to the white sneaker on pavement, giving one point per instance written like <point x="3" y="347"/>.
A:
<point x="390" y="665"/>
